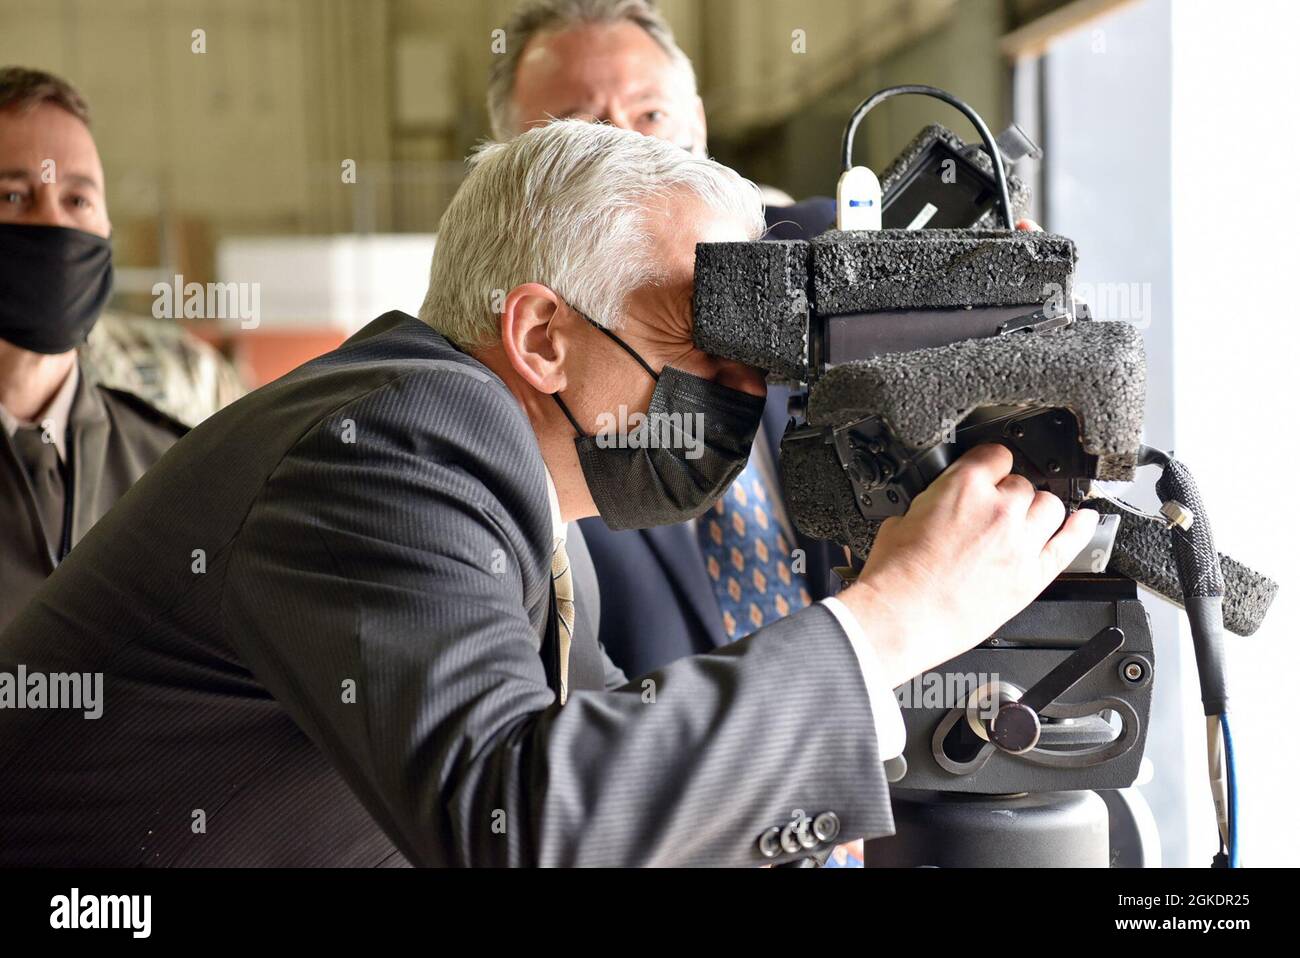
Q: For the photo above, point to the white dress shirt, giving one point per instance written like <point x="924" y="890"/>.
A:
<point x="891" y="736"/>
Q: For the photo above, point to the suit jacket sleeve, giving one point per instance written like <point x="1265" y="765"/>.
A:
<point x="382" y="590"/>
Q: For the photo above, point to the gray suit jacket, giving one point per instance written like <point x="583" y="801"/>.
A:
<point x="321" y="620"/>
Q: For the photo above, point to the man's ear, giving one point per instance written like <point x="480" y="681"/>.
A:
<point x="534" y="335"/>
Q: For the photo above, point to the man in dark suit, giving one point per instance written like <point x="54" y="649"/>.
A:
<point x="69" y="445"/>
<point x="680" y="589"/>
<point x="337" y="623"/>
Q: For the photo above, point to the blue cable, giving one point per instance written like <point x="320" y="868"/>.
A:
<point x="1230" y="759"/>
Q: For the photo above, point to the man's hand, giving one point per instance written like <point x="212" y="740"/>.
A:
<point x="974" y="549"/>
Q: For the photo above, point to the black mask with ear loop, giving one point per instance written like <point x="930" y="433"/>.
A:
<point x="693" y="443"/>
<point x="54" y="281"/>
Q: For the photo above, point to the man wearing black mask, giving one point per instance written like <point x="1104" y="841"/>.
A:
<point x="70" y="447"/>
<point x="338" y="624"/>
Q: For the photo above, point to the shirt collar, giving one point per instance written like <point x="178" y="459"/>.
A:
<point x="54" y="419"/>
<point x="559" y="532"/>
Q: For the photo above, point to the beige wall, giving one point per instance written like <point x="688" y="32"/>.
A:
<point x="955" y="47"/>
<point x="765" y="59"/>
<point x="249" y="136"/>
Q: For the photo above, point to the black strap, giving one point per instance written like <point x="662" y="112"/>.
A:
<point x="625" y="347"/>
<point x="565" y="409"/>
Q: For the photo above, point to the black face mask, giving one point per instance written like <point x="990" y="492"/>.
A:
<point x="53" y="283"/>
<point x="694" y="441"/>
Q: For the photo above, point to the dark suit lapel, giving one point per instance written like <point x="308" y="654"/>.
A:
<point x="23" y="528"/>
<point x="88" y="445"/>
<point x="679" y="554"/>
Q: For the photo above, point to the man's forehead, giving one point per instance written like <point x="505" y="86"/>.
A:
<point x="596" y="59"/>
<point x="73" y="178"/>
<point x="25" y="165"/>
<point x="30" y="137"/>
<point x="680" y="222"/>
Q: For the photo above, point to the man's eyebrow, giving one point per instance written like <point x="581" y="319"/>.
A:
<point x="76" y="179"/>
<point x="649" y="93"/>
<point x="81" y="179"/>
<point x="574" y="109"/>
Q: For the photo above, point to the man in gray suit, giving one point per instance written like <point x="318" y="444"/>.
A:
<point x="336" y="623"/>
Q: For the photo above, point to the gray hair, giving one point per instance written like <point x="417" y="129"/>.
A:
<point x="565" y="205"/>
<point x="539" y="16"/>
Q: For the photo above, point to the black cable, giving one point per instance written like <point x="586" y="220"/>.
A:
<point x="990" y="146"/>
<point x="1200" y="575"/>
<point x="1151" y="456"/>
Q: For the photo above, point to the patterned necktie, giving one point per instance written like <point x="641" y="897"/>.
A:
<point x="748" y="557"/>
<point x="562" y="576"/>
<point x="41" y="460"/>
<point x="849" y="855"/>
<point x="753" y="574"/>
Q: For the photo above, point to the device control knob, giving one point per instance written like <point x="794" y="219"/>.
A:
<point x="1015" y="728"/>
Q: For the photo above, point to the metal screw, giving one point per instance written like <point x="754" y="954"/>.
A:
<point x="1133" y="671"/>
<point x="1016" y="431"/>
<point x="1053" y="466"/>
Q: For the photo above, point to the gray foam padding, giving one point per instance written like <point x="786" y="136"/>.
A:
<point x="863" y="271"/>
<point x="1097" y="370"/>
<point x="1144" y="552"/>
<point x="820" y="497"/>
<point x="921" y="142"/>
<point x="751" y="304"/>
<point x="752" y="299"/>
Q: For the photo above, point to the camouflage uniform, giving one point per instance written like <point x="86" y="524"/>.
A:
<point x="162" y="363"/>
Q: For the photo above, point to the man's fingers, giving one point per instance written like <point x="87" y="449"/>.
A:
<point x="991" y="459"/>
<point x="1016" y="486"/>
<point x="1045" y="515"/>
<point x="1069" y="541"/>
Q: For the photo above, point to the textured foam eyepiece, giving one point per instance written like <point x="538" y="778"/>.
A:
<point x="751" y="304"/>
<point x="820" y="496"/>
<point x="1144" y="552"/>
<point x="855" y="272"/>
<point x="1097" y="370"/>
<point x="754" y="301"/>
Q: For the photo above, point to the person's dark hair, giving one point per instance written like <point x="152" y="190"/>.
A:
<point x="23" y="89"/>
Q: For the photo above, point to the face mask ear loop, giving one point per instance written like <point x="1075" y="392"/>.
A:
<point x="625" y="347"/>
<point x="568" y="415"/>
